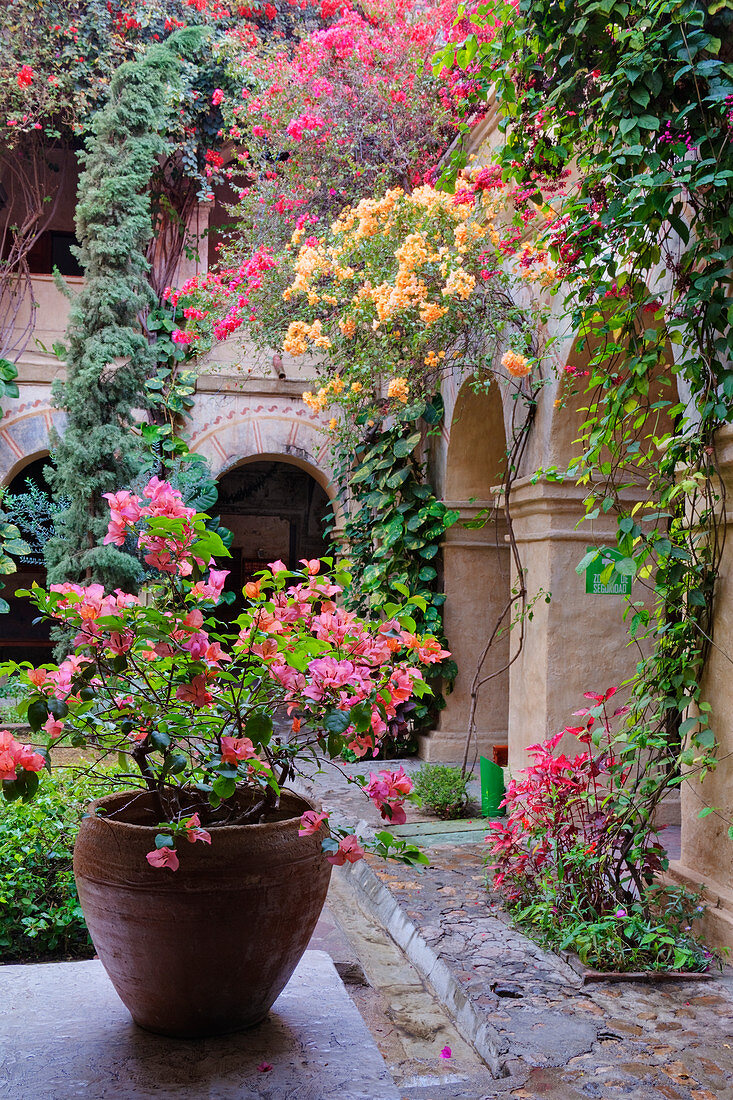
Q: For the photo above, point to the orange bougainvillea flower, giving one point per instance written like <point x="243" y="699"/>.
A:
<point x="515" y="364"/>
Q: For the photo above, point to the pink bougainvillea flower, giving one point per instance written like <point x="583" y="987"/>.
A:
<point x="349" y="851"/>
<point x="234" y="749"/>
<point x="446" y="1052"/>
<point x="181" y="336"/>
<point x="15" y="755"/>
<point x="217" y="97"/>
<point x="277" y="566"/>
<point x="264" y="1067"/>
<point x="196" y="692"/>
<point x="163" y="857"/>
<point x="194" y="831"/>
<point x="53" y="726"/>
<point x="310" y="822"/>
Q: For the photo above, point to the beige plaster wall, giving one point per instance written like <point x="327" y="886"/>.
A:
<point x="706" y="850"/>
<point x="476" y="571"/>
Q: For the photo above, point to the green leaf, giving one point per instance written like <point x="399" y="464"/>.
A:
<point x="361" y="717"/>
<point x="398" y="478"/>
<point x="626" y="567"/>
<point x="258" y="727"/>
<point x="159" y="740"/>
<point x="224" y="787"/>
<point x="405" y="447"/>
<point x="337" y="721"/>
<point x="37" y="714"/>
<point x="57" y="707"/>
<point x="586" y="560"/>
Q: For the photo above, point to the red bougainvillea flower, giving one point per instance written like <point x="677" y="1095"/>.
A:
<point x="196" y="692"/>
<point x="194" y="831"/>
<point x="234" y="749"/>
<point x="217" y="97"/>
<point x="25" y="77"/>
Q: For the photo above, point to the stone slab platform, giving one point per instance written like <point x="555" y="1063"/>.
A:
<point x="64" y="1034"/>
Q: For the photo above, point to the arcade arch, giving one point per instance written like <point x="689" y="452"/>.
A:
<point x="275" y="506"/>
<point x="476" y="574"/>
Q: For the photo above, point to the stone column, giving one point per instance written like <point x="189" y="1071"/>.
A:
<point x="476" y="570"/>
<point x="574" y="643"/>
<point x="706" y="849"/>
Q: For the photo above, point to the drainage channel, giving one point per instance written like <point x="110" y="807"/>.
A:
<point x="408" y="1024"/>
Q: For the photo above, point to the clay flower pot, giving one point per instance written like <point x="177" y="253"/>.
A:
<point x="206" y="949"/>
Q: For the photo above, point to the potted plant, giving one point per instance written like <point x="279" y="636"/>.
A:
<point x="202" y="879"/>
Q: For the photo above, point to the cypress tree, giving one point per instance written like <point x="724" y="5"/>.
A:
<point x="109" y="356"/>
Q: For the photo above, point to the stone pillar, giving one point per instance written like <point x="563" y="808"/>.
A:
<point x="706" y="850"/>
<point x="476" y="570"/>
<point x="574" y="643"/>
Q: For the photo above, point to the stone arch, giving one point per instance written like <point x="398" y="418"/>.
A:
<point x="25" y="435"/>
<point x="319" y="475"/>
<point x="290" y="433"/>
<point x="475" y="569"/>
<point x="23" y="464"/>
<point x="22" y="638"/>
<point x="566" y="417"/>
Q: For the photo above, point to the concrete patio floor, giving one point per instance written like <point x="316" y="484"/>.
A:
<point x="64" y="1033"/>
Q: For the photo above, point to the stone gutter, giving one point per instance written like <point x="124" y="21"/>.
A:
<point x="377" y="900"/>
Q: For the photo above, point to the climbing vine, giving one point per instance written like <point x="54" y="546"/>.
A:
<point x="617" y="136"/>
<point x="393" y="530"/>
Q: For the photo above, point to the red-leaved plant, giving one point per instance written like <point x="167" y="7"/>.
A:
<point x="571" y="826"/>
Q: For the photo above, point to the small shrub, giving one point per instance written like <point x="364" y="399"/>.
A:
<point x="40" y="916"/>
<point x="442" y="789"/>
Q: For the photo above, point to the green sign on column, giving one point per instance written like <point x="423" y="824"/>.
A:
<point x="617" y="584"/>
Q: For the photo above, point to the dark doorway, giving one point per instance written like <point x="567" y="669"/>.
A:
<point x="274" y="510"/>
<point x="22" y="639"/>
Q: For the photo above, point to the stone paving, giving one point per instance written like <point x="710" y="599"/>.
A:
<point x="560" y="1040"/>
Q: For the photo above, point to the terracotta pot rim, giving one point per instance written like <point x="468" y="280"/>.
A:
<point x="229" y="829"/>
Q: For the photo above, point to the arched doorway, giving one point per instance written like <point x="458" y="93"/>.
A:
<point x="476" y="576"/>
<point x="275" y="510"/>
<point x="26" y="497"/>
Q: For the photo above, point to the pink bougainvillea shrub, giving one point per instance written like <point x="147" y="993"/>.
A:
<point x="188" y="702"/>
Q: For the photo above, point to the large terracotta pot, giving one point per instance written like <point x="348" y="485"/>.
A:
<point x="206" y="949"/>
